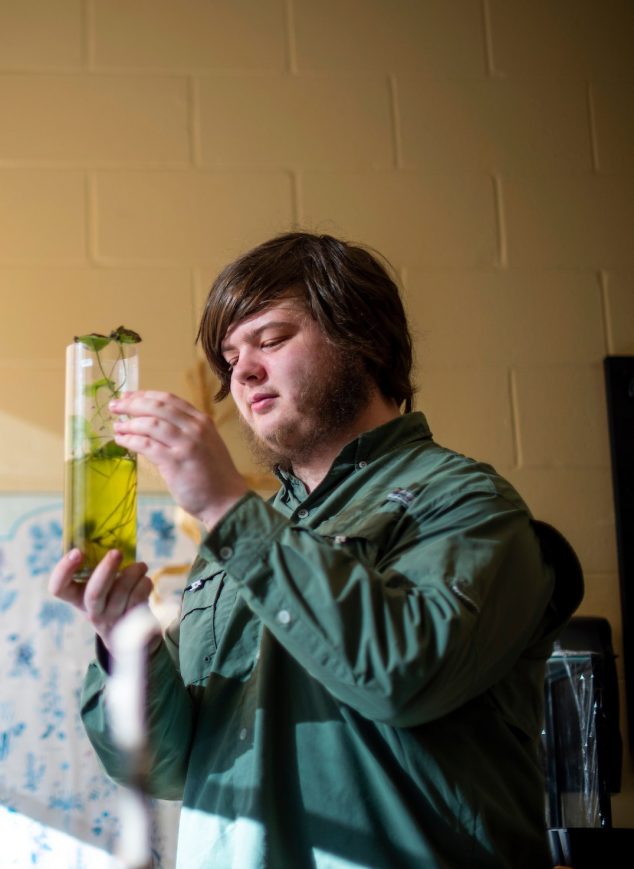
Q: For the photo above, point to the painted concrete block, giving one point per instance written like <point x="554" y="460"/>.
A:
<point x="94" y="119"/>
<point x="42" y="216"/>
<point x="412" y="218"/>
<point x="493" y="125"/>
<point x="186" y="218"/>
<point x="613" y="113"/>
<point x="514" y="317"/>
<point x="578" y="39"/>
<point x="38" y="34"/>
<point x="620" y="312"/>
<point x="562" y="416"/>
<point x="568" y="221"/>
<point x="157" y="303"/>
<point x="190" y="34"/>
<point x="327" y="121"/>
<point x="469" y="410"/>
<point x="437" y="38"/>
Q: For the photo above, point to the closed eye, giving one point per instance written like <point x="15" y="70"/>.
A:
<point x="267" y="337"/>
<point x="272" y="342"/>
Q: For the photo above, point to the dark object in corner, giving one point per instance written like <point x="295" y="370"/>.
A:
<point x="587" y="848"/>
<point x="582" y="740"/>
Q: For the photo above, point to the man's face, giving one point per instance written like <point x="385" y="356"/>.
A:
<point x="293" y="389"/>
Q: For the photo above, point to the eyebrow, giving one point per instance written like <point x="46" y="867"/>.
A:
<point x="225" y="347"/>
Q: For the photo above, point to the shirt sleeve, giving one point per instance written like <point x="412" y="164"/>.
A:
<point x="169" y="721"/>
<point x="407" y="634"/>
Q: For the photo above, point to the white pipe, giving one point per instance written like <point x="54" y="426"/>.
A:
<point x="125" y="700"/>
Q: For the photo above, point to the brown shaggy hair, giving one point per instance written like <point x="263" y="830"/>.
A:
<point x="345" y="288"/>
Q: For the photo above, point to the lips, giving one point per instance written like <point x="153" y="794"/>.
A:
<point x="261" y="401"/>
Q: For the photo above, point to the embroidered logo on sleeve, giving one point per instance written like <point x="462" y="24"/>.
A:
<point x="401" y="496"/>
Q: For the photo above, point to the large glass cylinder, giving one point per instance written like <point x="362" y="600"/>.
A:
<point x="100" y="492"/>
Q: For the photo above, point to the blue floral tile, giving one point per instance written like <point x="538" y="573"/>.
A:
<point x="57" y="808"/>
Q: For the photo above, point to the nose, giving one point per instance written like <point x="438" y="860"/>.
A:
<point x="248" y="367"/>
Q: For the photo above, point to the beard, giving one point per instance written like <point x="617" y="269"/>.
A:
<point x="330" y="402"/>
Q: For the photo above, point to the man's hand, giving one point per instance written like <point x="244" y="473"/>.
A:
<point x="107" y="595"/>
<point x="186" y="448"/>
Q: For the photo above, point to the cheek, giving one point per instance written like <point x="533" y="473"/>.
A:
<point x="238" y="400"/>
<point x="314" y="373"/>
<point x="305" y="367"/>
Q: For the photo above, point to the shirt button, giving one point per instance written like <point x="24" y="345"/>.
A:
<point x="243" y="734"/>
<point x="283" y="617"/>
<point x="303" y="513"/>
<point x="225" y="552"/>
<point x="362" y="464"/>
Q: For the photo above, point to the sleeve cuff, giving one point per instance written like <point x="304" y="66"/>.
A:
<point x="103" y="656"/>
<point x="243" y="534"/>
<point x="104" y="659"/>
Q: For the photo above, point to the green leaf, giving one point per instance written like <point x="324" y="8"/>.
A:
<point x="125" y="336"/>
<point x="110" y="450"/>
<point x="105" y="383"/>
<point x="94" y="341"/>
<point x="89" y="529"/>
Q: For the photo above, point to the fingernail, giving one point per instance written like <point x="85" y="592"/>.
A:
<point x="74" y="555"/>
<point x="114" y="404"/>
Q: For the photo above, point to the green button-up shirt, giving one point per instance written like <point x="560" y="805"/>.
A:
<point x="356" y="678"/>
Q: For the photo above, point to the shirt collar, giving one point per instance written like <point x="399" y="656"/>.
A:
<point x="395" y="434"/>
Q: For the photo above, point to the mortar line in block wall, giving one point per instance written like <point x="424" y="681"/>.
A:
<point x="396" y="121"/>
<point x="291" y="42"/>
<point x="515" y="419"/>
<point x="500" y="216"/>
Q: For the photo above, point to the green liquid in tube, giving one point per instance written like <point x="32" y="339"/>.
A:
<point x="100" y="509"/>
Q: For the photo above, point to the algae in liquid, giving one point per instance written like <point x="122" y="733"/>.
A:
<point x="100" y="509"/>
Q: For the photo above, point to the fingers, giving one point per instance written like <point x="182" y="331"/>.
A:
<point x="62" y="580"/>
<point x="132" y="587"/>
<point x="151" y="428"/>
<point x="162" y="405"/>
<point x="107" y="595"/>
<point x="108" y="590"/>
<point x="156" y="421"/>
<point x="145" y="442"/>
<point x="186" y="448"/>
<point x="99" y="585"/>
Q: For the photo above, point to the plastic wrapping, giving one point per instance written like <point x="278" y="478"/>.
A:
<point x="581" y="739"/>
<point x="572" y="775"/>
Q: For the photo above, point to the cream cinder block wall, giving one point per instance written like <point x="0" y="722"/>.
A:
<point x="485" y="146"/>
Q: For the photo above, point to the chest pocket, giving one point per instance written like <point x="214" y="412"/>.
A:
<point x="368" y="527"/>
<point x="205" y="610"/>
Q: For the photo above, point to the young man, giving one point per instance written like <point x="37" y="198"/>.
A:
<point x="356" y="678"/>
